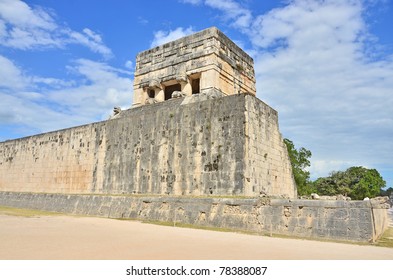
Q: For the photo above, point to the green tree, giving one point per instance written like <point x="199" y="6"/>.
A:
<point x="336" y="183"/>
<point x="357" y="182"/>
<point x="300" y="161"/>
<point x="365" y="182"/>
<point x="387" y="192"/>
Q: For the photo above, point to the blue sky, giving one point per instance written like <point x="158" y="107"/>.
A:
<point x="326" y="66"/>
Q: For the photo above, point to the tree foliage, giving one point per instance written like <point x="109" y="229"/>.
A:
<point x="356" y="182"/>
<point x="387" y="192"/>
<point x="300" y="161"/>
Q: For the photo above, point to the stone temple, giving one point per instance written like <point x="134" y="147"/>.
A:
<point x="196" y="147"/>
<point x="206" y="62"/>
<point x="195" y="128"/>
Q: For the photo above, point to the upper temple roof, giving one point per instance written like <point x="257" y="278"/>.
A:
<point x="198" y="63"/>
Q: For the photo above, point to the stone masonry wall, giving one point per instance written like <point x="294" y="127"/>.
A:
<point x="60" y="161"/>
<point x="332" y="220"/>
<point x="269" y="165"/>
<point x="185" y="146"/>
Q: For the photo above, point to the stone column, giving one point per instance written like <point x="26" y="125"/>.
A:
<point x="208" y="80"/>
<point x="184" y="82"/>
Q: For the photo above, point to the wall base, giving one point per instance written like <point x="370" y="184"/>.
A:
<point x="333" y="220"/>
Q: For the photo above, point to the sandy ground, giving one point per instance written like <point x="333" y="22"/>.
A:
<point x="67" y="237"/>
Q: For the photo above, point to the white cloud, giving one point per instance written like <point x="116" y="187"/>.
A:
<point x="239" y="16"/>
<point x="320" y="25"/>
<point x="194" y="2"/>
<point x="313" y="64"/>
<point x="23" y="27"/>
<point x="52" y="82"/>
<point x="94" y="36"/>
<point x="18" y="13"/>
<point x="3" y="28"/>
<point x="161" y="37"/>
<point x="103" y="88"/>
<point x="129" y="65"/>
<point x="233" y="12"/>
<point x="25" y="110"/>
<point x="61" y="103"/>
<point x="322" y="168"/>
<point x="88" y="39"/>
<point x="10" y="75"/>
<point x="142" y="20"/>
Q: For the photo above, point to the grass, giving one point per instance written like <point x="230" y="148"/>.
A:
<point x="386" y="239"/>
<point x="28" y="213"/>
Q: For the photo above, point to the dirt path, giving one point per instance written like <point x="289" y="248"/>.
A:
<point x="66" y="237"/>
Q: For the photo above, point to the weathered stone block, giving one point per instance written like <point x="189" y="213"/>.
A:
<point x="237" y="213"/>
<point x="150" y="150"/>
<point x="196" y="68"/>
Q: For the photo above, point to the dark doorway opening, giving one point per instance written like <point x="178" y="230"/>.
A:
<point x="152" y="93"/>
<point x="170" y="89"/>
<point x="195" y="86"/>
